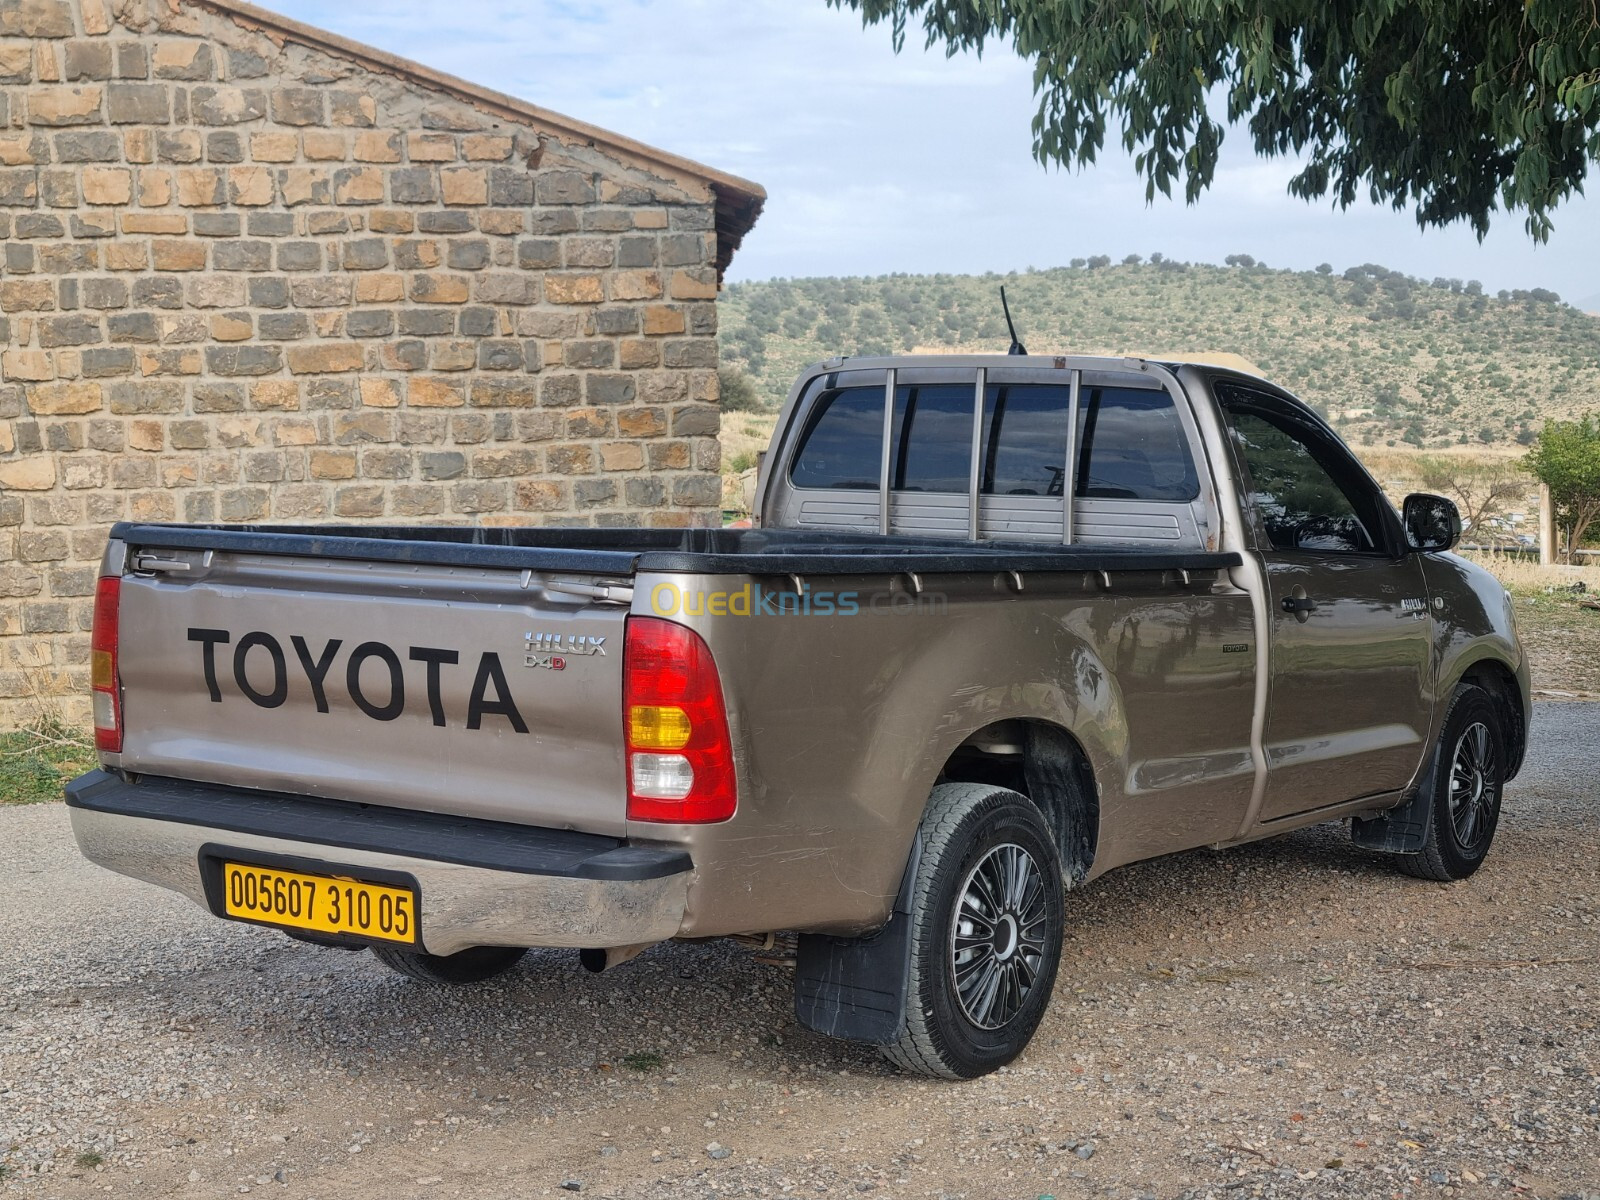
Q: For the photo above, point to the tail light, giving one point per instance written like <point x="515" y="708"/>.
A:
<point x="103" y="674"/>
<point x="680" y="759"/>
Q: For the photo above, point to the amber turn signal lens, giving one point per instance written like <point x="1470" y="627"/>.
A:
<point x="658" y="727"/>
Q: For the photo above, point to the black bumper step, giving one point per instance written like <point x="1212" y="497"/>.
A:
<point x="491" y="845"/>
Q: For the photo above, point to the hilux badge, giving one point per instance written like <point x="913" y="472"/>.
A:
<point x="551" y="650"/>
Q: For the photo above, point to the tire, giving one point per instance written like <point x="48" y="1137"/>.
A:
<point x="1467" y="781"/>
<point x="976" y="840"/>
<point x="473" y="965"/>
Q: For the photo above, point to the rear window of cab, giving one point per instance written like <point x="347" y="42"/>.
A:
<point x="1131" y="442"/>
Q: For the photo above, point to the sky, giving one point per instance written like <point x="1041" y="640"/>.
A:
<point x="875" y="162"/>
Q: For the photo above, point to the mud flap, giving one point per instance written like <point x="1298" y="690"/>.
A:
<point x="1402" y="830"/>
<point x="855" y="988"/>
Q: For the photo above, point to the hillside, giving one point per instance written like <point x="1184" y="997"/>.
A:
<point x="1390" y="358"/>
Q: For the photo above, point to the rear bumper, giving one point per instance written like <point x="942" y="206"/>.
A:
<point x="482" y="883"/>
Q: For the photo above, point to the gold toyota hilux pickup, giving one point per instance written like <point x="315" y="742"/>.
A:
<point x="1006" y="623"/>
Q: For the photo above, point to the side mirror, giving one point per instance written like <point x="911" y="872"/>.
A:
<point x="1432" y="522"/>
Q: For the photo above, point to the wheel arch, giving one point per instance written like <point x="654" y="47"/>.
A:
<point x="1497" y="679"/>
<point x="1046" y="763"/>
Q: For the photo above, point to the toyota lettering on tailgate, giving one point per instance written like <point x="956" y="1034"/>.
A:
<point x="382" y="696"/>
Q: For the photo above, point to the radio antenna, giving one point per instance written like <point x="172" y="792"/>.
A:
<point x="1016" y="346"/>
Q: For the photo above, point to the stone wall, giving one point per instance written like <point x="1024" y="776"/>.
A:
<point x="246" y="279"/>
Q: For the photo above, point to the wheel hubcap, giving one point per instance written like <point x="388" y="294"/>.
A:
<point x="1474" y="786"/>
<point x="997" y="939"/>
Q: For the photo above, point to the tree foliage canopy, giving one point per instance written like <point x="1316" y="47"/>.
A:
<point x="1450" y="107"/>
<point x="1566" y="459"/>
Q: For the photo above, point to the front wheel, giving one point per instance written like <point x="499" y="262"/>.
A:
<point x="1468" y="775"/>
<point x="987" y="919"/>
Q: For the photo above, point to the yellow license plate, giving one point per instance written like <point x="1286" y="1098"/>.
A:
<point x="319" y="903"/>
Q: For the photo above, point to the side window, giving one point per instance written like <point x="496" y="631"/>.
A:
<point x="843" y="444"/>
<point x="932" y="438"/>
<point x="1307" y="490"/>
<point x="1131" y="446"/>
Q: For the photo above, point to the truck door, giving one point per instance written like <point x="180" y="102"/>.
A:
<point x="1350" y="635"/>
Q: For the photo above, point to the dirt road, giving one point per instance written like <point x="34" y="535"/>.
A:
<point x="1287" y="1019"/>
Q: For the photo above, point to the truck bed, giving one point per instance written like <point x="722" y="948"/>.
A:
<point x="399" y="665"/>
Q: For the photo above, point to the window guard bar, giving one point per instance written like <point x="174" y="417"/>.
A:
<point x="974" y="479"/>
<point x="1069" y="483"/>
<point x="888" y="448"/>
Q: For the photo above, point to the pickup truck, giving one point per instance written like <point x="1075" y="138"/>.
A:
<point x="1006" y="623"/>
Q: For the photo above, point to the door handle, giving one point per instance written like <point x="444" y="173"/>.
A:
<point x="1300" y="606"/>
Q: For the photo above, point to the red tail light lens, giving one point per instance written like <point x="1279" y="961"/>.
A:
<point x="680" y="759"/>
<point x="103" y="674"/>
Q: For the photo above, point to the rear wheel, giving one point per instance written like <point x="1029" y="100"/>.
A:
<point x="987" y="920"/>
<point x="1468" y="775"/>
<point x="472" y="965"/>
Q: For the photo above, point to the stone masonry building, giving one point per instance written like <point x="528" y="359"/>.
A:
<point x="257" y="272"/>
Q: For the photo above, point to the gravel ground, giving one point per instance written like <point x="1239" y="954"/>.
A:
<point x="1292" y="1018"/>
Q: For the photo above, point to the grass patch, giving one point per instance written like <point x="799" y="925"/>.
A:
<point x="89" y="1160"/>
<point x="36" y="762"/>
<point x="643" y="1060"/>
<point x="1523" y="576"/>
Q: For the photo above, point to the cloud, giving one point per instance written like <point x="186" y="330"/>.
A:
<point x="877" y="162"/>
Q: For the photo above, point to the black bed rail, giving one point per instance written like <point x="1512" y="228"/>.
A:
<point x="625" y="551"/>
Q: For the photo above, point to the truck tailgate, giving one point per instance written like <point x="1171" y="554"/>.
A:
<point x="479" y="691"/>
